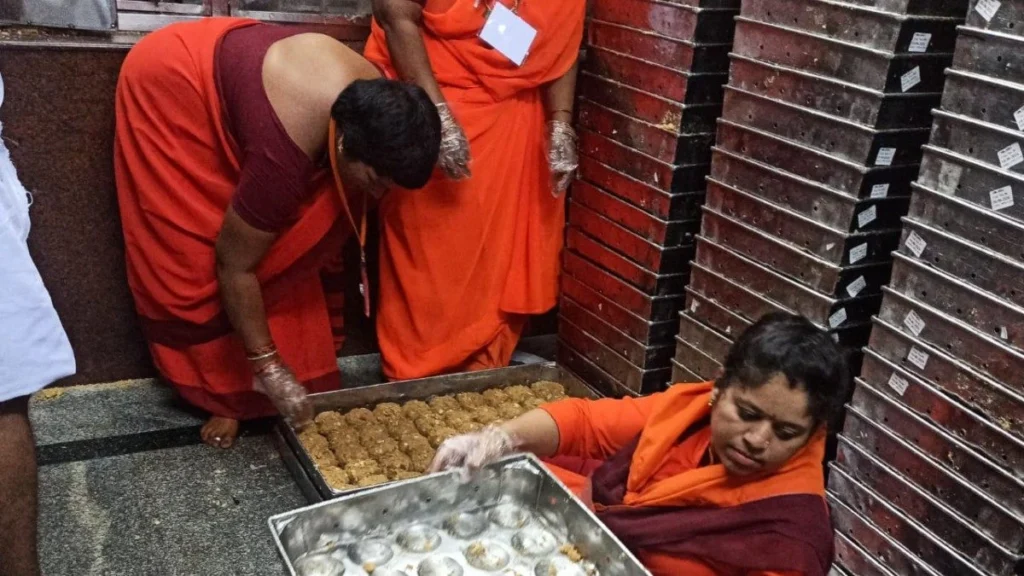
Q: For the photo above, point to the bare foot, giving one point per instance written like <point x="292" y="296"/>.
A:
<point x="220" y="432"/>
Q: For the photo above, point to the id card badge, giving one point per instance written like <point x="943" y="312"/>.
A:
<point x="509" y="34"/>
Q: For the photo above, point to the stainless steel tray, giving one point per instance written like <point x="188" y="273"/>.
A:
<point x="949" y="173"/>
<point x="638" y="379"/>
<point x="696" y="362"/>
<point x="654" y="229"/>
<point x="968" y="221"/>
<point x="683" y="375"/>
<point x="672" y="19"/>
<point x="645" y="137"/>
<point x="649" y="282"/>
<point x="821" y="204"/>
<point x="867" y="67"/>
<point x="425" y="525"/>
<point x="823" y="132"/>
<point x="586" y="369"/>
<point x="857" y="25"/>
<point x="930" y="7"/>
<point x="654" y="257"/>
<point x="852" y="560"/>
<point x="975" y="139"/>
<point x="703" y="338"/>
<point x="638" y="328"/>
<point x="715" y="314"/>
<point x="651" y="77"/>
<point x="1007" y="19"/>
<point x="650" y="308"/>
<point x="675" y="117"/>
<point x="871" y="108"/>
<point x="1001" y="403"/>
<point x="871" y="410"/>
<point x="982" y="98"/>
<point x="993" y="54"/>
<point x="651" y="171"/>
<point x="635" y="352"/>
<point x="842" y="176"/>
<point x="664" y="205"/>
<point x="673" y="53"/>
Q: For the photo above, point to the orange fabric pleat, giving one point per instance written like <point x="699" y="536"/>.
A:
<point x="461" y="262"/>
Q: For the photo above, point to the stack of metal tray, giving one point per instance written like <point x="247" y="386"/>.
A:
<point x="820" y="138"/>
<point x="514" y="518"/>
<point x="650" y="89"/>
<point x="930" y="472"/>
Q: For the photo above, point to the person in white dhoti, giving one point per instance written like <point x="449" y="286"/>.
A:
<point x="34" y="352"/>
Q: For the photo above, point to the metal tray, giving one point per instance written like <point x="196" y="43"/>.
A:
<point x="664" y="205"/>
<point x="635" y="352"/>
<point x="653" y="78"/>
<point x="821" y="204"/>
<point x="876" y="69"/>
<point x="976" y="308"/>
<point x="695" y="362"/>
<point x="789" y="294"/>
<point x="714" y="314"/>
<point x="1007" y="19"/>
<point x="703" y="338"/>
<point x="640" y="329"/>
<point x="683" y="375"/>
<point x="969" y="222"/>
<point x="908" y="532"/>
<point x="662" y="232"/>
<point x="383" y="525"/>
<point x="857" y="25"/>
<point x="581" y="365"/>
<point x="983" y="98"/>
<point x="639" y="379"/>
<point x="649" y="282"/>
<point x="651" y="308"/>
<point x="673" y="53"/>
<point x="851" y="102"/>
<point x="950" y="174"/>
<point x="675" y="117"/>
<point x="929" y="7"/>
<point x="852" y="560"/>
<point x="651" y="171"/>
<point x="970" y="263"/>
<point x="975" y="139"/>
<point x="671" y="19"/>
<point x="654" y="257"/>
<point x="876" y="446"/>
<point x="823" y="132"/>
<point x="993" y="54"/>
<point x="1000" y="402"/>
<point x="870" y="409"/>
<point x="645" y="137"/>
<point x="842" y="176"/>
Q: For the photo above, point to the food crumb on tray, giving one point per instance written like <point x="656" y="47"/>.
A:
<point x="570" y="552"/>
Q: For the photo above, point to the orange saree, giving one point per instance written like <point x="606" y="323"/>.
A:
<point x="177" y="168"/>
<point x="463" y="263"/>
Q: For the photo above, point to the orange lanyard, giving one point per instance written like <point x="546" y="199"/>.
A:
<point x="360" y="229"/>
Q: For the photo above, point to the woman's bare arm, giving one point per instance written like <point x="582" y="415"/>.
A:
<point x="401" y="21"/>
<point x="240" y="248"/>
<point x="535" y="432"/>
<point x="560" y="95"/>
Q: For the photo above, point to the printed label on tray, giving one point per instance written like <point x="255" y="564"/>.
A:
<point x="885" y="156"/>
<point x="1003" y="333"/>
<point x="867" y="217"/>
<point x="918" y="357"/>
<point x="916" y="244"/>
<point x="949" y="177"/>
<point x="1001" y="198"/>
<point x="1019" y="117"/>
<point x="920" y="42"/>
<point x="836" y="320"/>
<point x="879" y="190"/>
<point x="858" y="253"/>
<point x="857" y="286"/>
<point x="988" y="9"/>
<point x="911" y="79"/>
<point x="899" y="384"/>
<point x="693" y="306"/>
<point x="914" y="323"/>
<point x="1011" y="156"/>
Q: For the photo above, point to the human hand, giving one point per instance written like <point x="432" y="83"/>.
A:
<point x="454" y="156"/>
<point x="473" y="451"/>
<point x="278" y="383"/>
<point x="562" y="155"/>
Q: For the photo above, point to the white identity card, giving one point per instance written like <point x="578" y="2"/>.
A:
<point x="509" y="34"/>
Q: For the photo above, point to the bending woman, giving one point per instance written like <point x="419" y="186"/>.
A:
<point x="702" y="479"/>
<point x="223" y="159"/>
<point x="463" y="266"/>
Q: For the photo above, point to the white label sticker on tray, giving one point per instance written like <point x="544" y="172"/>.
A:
<point x="916" y="244"/>
<point x="835" y="337"/>
<point x="693" y="306"/>
<point x="857" y="286"/>
<point x="920" y="42"/>
<point x="1019" y="117"/>
<point x="899" y="384"/>
<point x="949" y="177"/>
<point x="1002" y="198"/>
<point x="918" y="357"/>
<point x="867" y="217"/>
<point x="1011" y="156"/>
<point x="914" y="323"/>
<point x="885" y="156"/>
<point x="858" y="253"/>
<point x="988" y="8"/>
<point x="911" y="79"/>
<point x="879" y="190"/>
<point x="1003" y="333"/>
<point x="836" y="320"/>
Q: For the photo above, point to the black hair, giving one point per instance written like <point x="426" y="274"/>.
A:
<point x="391" y="126"/>
<point x="791" y="345"/>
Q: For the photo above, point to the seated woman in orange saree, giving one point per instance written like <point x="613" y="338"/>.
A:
<point x="702" y="479"/>
<point x="227" y="133"/>
<point x="463" y="266"/>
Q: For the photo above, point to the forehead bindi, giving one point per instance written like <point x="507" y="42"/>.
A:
<point x="777" y="401"/>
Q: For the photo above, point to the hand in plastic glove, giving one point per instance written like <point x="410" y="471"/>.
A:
<point x="562" y="156"/>
<point x="278" y="383"/>
<point x="454" y="156"/>
<point x="473" y="451"/>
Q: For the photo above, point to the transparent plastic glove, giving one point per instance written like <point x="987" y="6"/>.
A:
<point x="454" y="156"/>
<point x="562" y="155"/>
<point x="470" y="452"/>
<point x="278" y="383"/>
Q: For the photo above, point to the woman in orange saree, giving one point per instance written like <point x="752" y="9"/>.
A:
<point x="722" y="478"/>
<point x="464" y="265"/>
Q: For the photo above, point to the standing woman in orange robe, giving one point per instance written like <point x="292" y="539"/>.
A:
<point x="465" y="264"/>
